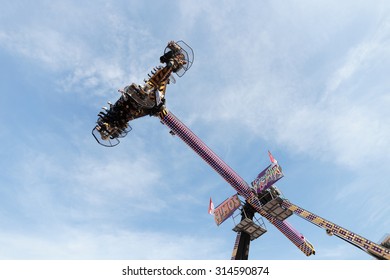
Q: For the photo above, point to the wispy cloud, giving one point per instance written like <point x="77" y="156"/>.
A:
<point x="373" y="196"/>
<point x="46" y="182"/>
<point x="270" y="93"/>
<point x="73" y="243"/>
<point x="361" y="57"/>
<point x="297" y="75"/>
<point x="97" y="54"/>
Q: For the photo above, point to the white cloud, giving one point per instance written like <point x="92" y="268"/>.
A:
<point x="361" y="57"/>
<point x="372" y="193"/>
<point x="327" y="130"/>
<point x="72" y="189"/>
<point x="264" y="75"/>
<point x="97" y="54"/>
<point x="268" y="86"/>
<point x="72" y="243"/>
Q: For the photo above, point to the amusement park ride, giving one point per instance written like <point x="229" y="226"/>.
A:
<point x="261" y="196"/>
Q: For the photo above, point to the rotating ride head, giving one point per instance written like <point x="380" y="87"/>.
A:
<point x="140" y="100"/>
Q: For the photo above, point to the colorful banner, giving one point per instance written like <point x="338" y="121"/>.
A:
<point x="267" y="177"/>
<point x="226" y="209"/>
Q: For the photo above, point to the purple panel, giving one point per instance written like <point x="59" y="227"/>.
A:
<point x="226" y="209"/>
<point x="267" y="177"/>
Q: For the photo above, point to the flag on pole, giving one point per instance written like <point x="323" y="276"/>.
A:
<point x="211" y="207"/>
<point x="273" y="160"/>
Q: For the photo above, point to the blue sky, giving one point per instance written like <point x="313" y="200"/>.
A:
<point x="308" y="81"/>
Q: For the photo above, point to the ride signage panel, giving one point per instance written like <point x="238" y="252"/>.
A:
<point x="267" y="177"/>
<point x="226" y="209"/>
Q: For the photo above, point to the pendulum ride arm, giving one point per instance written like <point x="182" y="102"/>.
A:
<point x="366" y="245"/>
<point x="242" y="187"/>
